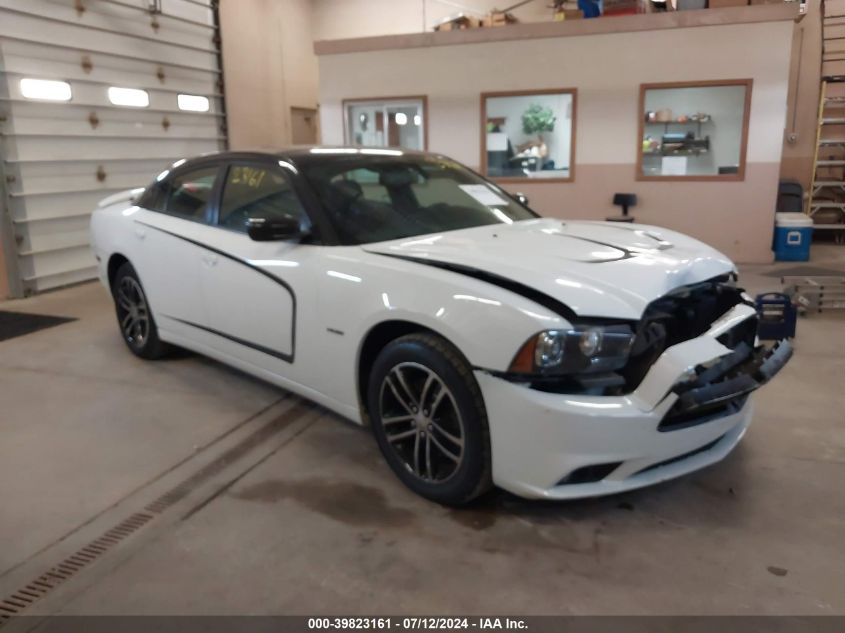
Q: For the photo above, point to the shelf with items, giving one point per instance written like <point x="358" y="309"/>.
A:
<point x="677" y="153"/>
<point x="684" y="122"/>
<point x="665" y="117"/>
<point x="676" y="145"/>
<point x="653" y="120"/>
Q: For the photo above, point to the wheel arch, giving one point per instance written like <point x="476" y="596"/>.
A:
<point x="376" y="338"/>
<point x="116" y="260"/>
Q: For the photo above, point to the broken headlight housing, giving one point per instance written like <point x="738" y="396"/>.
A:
<point x="581" y="349"/>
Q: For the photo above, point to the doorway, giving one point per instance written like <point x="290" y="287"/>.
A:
<point x="303" y="123"/>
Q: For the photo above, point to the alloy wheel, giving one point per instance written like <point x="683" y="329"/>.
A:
<point x="421" y="422"/>
<point x="132" y="312"/>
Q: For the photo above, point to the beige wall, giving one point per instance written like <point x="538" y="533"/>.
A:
<point x="338" y="19"/>
<point x="736" y="217"/>
<point x="803" y="101"/>
<point x="269" y="66"/>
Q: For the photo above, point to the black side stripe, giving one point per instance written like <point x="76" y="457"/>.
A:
<point x="281" y="355"/>
<point x="260" y="348"/>
<point x="536" y="296"/>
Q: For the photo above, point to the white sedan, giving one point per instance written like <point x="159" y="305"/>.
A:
<point x="483" y="344"/>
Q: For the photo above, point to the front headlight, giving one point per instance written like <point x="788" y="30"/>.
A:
<point x="578" y="350"/>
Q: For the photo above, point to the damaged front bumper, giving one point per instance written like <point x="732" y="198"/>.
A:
<point x="725" y="384"/>
<point x="689" y="411"/>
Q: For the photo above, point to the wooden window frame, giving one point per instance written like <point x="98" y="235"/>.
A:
<point x="422" y="98"/>
<point x="528" y="93"/>
<point x="715" y="83"/>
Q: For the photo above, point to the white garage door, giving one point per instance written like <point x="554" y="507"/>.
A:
<point x="96" y="96"/>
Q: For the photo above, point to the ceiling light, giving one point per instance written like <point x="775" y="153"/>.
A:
<point x="401" y="118"/>
<point x="129" y="97"/>
<point x="417" y="120"/>
<point x="46" y="89"/>
<point x="193" y="103"/>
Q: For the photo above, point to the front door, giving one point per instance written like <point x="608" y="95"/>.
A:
<point x="253" y="291"/>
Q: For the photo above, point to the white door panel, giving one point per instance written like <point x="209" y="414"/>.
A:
<point x="65" y="148"/>
<point x="105" y="17"/>
<point x="58" y="159"/>
<point x="137" y="125"/>
<point x="45" y="176"/>
<point x="80" y="34"/>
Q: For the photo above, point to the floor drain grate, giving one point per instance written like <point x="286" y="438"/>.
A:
<point x="15" y="603"/>
<point x="76" y="562"/>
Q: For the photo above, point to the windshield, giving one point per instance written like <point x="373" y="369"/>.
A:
<point x="377" y="198"/>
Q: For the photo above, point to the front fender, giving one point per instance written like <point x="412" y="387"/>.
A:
<point x="488" y="324"/>
<point x="359" y="290"/>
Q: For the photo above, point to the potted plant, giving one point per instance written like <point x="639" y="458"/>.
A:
<point x="538" y="119"/>
<point x="535" y="120"/>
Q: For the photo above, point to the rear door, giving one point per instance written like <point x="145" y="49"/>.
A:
<point x="255" y="291"/>
<point x="169" y="230"/>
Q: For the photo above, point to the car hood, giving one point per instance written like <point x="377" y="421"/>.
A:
<point x="598" y="269"/>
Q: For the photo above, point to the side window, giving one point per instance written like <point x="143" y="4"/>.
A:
<point x="256" y="190"/>
<point x="155" y="197"/>
<point x="188" y="194"/>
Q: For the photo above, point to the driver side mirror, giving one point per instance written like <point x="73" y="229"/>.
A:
<point x="274" y="229"/>
<point x="521" y="198"/>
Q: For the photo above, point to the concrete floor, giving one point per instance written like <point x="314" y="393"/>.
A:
<point x="286" y="509"/>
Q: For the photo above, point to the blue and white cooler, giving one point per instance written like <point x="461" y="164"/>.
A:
<point x="793" y="234"/>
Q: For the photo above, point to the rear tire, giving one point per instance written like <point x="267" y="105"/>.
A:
<point x="429" y="419"/>
<point x="134" y="317"/>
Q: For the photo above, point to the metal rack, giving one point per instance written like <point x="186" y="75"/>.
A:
<point x="816" y="294"/>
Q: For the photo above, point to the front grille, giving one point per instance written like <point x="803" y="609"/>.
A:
<point x="682" y="315"/>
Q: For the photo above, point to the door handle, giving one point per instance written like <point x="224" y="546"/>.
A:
<point x="140" y="233"/>
<point x="210" y="260"/>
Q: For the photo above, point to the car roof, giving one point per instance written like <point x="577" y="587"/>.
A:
<point x="296" y="153"/>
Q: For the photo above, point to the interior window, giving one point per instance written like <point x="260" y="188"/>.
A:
<point x="256" y="190"/>
<point x="392" y="123"/>
<point x="691" y="130"/>
<point x="188" y="194"/>
<point x="529" y="134"/>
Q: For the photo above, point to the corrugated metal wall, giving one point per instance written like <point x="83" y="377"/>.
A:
<point x="60" y="158"/>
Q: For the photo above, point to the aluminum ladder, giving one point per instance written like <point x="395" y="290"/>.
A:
<point x="826" y="199"/>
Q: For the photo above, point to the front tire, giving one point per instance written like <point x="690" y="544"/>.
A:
<point x="429" y="419"/>
<point x="134" y="317"/>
